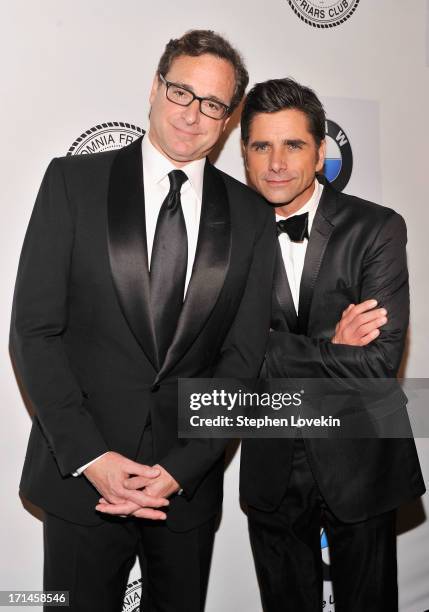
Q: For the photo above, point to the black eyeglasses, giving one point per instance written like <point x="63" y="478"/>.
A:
<point x="183" y="97"/>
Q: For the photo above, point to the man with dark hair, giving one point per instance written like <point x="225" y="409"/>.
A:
<point x="339" y="257"/>
<point x="139" y="266"/>
<point x="199" y="42"/>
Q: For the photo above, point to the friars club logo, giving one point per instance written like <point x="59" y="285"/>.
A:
<point x="105" y="136"/>
<point x="324" y="13"/>
<point x="132" y="596"/>
<point x="339" y="157"/>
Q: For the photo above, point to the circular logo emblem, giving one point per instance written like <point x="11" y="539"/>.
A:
<point x="325" y="555"/>
<point x="133" y="596"/>
<point x="339" y="157"/>
<point x="324" y="13"/>
<point x="106" y="136"/>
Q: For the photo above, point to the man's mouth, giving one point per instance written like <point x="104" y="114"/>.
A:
<point x="278" y="182"/>
<point x="186" y="132"/>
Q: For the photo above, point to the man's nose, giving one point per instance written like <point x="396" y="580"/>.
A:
<point x="278" y="160"/>
<point x="191" y="113"/>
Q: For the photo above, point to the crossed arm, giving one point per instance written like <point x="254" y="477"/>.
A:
<point x="359" y="346"/>
<point x="359" y="325"/>
<point x="373" y="353"/>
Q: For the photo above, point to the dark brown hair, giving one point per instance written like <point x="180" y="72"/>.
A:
<point x="199" y="42"/>
<point x="280" y="94"/>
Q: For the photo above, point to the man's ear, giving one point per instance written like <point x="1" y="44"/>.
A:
<point x="225" y="123"/>
<point x="155" y="86"/>
<point x="321" y="154"/>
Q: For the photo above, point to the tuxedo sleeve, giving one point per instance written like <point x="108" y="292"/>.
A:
<point x="39" y="322"/>
<point x="242" y="355"/>
<point x="384" y="278"/>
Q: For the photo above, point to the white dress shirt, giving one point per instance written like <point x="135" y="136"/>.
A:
<point x="156" y="187"/>
<point x="293" y="253"/>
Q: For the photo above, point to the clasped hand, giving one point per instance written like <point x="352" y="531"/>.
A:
<point x="130" y="488"/>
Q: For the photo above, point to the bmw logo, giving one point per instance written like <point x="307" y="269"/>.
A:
<point x="339" y="157"/>
<point x="325" y="555"/>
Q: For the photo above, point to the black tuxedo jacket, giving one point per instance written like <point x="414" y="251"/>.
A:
<point x="356" y="251"/>
<point x="82" y="336"/>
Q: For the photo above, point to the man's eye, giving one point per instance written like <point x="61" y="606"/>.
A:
<point x="260" y="147"/>
<point x="179" y="93"/>
<point x="213" y="105"/>
<point x="293" y="146"/>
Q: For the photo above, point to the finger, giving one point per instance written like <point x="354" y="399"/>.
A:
<point x="154" y="490"/>
<point x="120" y="494"/>
<point x="118" y="497"/>
<point x="148" y="513"/>
<point x="126" y="508"/>
<point x="369" y="337"/>
<point x="356" y="317"/>
<point x="364" y="306"/>
<point x="140" y="469"/>
<point x="347" y="310"/>
<point x="113" y="499"/>
<point x="372" y="315"/>
<point x="137" y="482"/>
<point x="363" y="330"/>
<point x="144" y="500"/>
<point x="102" y="500"/>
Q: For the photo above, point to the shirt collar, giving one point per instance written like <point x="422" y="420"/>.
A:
<point x="156" y="167"/>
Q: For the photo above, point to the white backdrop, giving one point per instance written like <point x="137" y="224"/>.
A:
<point x="68" y="66"/>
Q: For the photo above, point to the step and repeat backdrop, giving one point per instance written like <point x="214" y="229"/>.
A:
<point x="75" y="81"/>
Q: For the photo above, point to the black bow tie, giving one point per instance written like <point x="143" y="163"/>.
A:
<point x="295" y="227"/>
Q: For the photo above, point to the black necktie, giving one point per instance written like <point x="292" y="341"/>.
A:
<point x="168" y="265"/>
<point x="295" y="227"/>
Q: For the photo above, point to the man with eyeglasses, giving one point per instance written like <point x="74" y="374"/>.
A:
<point x="139" y="267"/>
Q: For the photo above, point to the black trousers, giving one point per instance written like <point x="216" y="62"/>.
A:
<point x="93" y="563"/>
<point x="286" y="548"/>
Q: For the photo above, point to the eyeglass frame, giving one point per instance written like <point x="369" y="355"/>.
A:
<point x="200" y="99"/>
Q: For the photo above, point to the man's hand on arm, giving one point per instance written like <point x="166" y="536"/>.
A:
<point x="359" y="324"/>
<point x="108" y="475"/>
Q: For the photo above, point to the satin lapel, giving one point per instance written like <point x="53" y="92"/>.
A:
<point x="283" y="295"/>
<point x="210" y="267"/>
<point x="127" y="245"/>
<point x="319" y="237"/>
